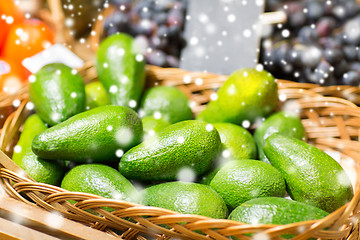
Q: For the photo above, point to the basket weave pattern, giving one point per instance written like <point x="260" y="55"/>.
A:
<point x="331" y="124"/>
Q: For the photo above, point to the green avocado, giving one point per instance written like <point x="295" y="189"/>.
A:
<point x="96" y="95"/>
<point x="275" y="210"/>
<point x="152" y="126"/>
<point x="101" y="134"/>
<point x="241" y="180"/>
<point x="33" y="125"/>
<point x="40" y="170"/>
<point x="311" y="176"/>
<point x="121" y="69"/>
<point x="170" y="103"/>
<point x="187" y="144"/>
<point x="247" y="95"/>
<point x="57" y="92"/>
<point x="101" y="180"/>
<point x="280" y="122"/>
<point x="187" y="198"/>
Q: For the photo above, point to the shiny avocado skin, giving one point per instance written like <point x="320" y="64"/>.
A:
<point x="101" y="180"/>
<point x="122" y="75"/>
<point x="32" y="127"/>
<point x="187" y="198"/>
<point x="275" y="210"/>
<point x="311" y="175"/>
<point x="57" y="93"/>
<point x="280" y="122"/>
<point x="91" y="136"/>
<point x="184" y="144"/>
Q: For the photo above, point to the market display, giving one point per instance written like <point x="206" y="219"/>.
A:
<point x="188" y="150"/>
<point x="243" y="157"/>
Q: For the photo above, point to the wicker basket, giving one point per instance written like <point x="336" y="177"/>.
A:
<point x="331" y="124"/>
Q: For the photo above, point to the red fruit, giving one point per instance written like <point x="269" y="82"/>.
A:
<point x="12" y="75"/>
<point x="9" y="15"/>
<point x="27" y="38"/>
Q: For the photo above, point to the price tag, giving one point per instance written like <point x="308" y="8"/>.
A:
<point x="56" y="53"/>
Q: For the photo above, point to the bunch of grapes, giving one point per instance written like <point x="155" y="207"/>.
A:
<point x="157" y="26"/>
<point x="319" y="43"/>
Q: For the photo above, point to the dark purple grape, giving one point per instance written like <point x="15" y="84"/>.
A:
<point x="117" y="22"/>
<point x="330" y="42"/>
<point x="295" y="57"/>
<point x="311" y="56"/>
<point x="351" y="8"/>
<point x="341" y="68"/>
<point x="339" y="11"/>
<point x="174" y="31"/>
<point x="144" y="27"/>
<point x="175" y="17"/>
<point x="355" y="66"/>
<point x="180" y="6"/>
<point x="307" y="35"/>
<point x="352" y="31"/>
<point x="156" y="57"/>
<point x="315" y="10"/>
<point x="351" y="78"/>
<point x="162" y="31"/>
<point x="351" y="52"/>
<point x="297" y="19"/>
<point x="160" y="18"/>
<point x="322" y="74"/>
<point x="143" y="6"/>
<point x="146" y="14"/>
<point x="159" y="42"/>
<point x="325" y="26"/>
<point x="281" y="53"/>
<point x="333" y="55"/>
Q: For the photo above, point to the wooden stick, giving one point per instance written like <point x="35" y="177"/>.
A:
<point x="38" y="219"/>
<point x="13" y="231"/>
<point x="273" y="17"/>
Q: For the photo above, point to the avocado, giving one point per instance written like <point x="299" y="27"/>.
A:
<point x="311" y="176"/>
<point x="187" y="144"/>
<point x="40" y="170"/>
<point x="152" y="126"/>
<point x="101" y="180"/>
<point x="96" y="95"/>
<point x="101" y="134"/>
<point x="237" y="142"/>
<point x="186" y="198"/>
<point x="280" y="122"/>
<point x="241" y="180"/>
<point x="33" y="125"/>
<point x="275" y="210"/>
<point x="247" y="95"/>
<point x="170" y="103"/>
<point x="121" y="69"/>
<point x="57" y="93"/>
<point x="44" y="171"/>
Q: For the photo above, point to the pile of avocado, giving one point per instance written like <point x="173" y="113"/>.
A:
<point x="112" y="136"/>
